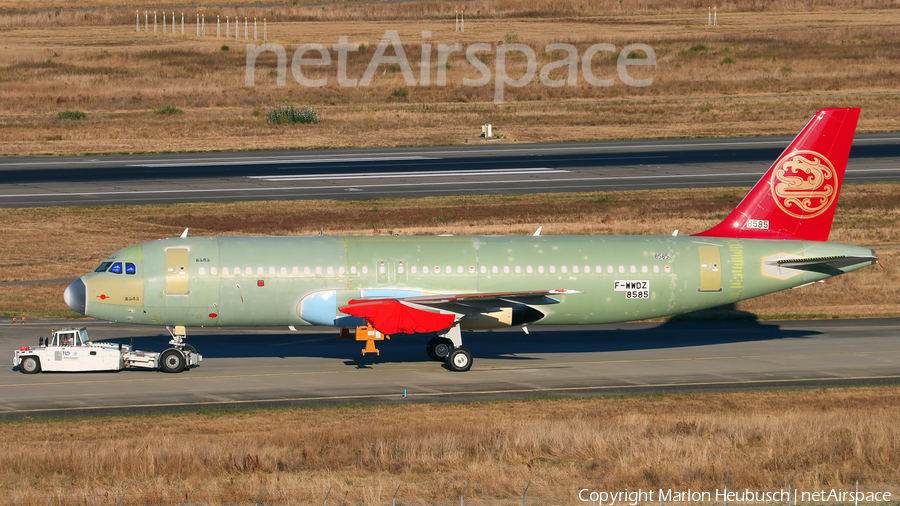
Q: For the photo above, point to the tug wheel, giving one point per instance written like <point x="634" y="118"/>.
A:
<point x="30" y="365"/>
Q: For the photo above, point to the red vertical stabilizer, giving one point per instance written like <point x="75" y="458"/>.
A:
<point x="797" y="196"/>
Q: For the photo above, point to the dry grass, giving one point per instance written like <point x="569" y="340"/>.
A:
<point x="98" y="12"/>
<point x="867" y="215"/>
<point x="786" y="65"/>
<point x="562" y="446"/>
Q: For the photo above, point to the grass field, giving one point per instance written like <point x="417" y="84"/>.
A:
<point x="764" y="71"/>
<point x="826" y="436"/>
<point x="867" y="215"/>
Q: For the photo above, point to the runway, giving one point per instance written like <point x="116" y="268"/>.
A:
<point x="245" y="368"/>
<point x="412" y="172"/>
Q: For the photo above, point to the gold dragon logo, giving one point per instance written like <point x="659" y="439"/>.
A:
<point x="804" y="184"/>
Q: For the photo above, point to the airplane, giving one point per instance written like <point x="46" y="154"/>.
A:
<point x="775" y="239"/>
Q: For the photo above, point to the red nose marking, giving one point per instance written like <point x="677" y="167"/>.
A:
<point x="213" y="315"/>
<point x="102" y="297"/>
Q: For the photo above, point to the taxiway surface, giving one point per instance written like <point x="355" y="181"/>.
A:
<point x="244" y="368"/>
<point x="413" y="172"/>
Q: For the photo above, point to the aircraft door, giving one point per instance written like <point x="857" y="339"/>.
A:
<point x="710" y="269"/>
<point x="176" y="271"/>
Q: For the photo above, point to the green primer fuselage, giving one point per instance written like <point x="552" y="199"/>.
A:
<point x="261" y="281"/>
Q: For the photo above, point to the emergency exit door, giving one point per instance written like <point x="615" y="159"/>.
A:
<point x="177" y="271"/>
<point x="710" y="269"/>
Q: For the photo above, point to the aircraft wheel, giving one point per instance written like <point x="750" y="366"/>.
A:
<point x="438" y="348"/>
<point x="459" y="359"/>
<point x="30" y="365"/>
<point x="171" y="361"/>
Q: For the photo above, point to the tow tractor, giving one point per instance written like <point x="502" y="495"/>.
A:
<point x="71" y="350"/>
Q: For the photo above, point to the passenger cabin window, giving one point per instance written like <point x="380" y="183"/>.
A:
<point x="116" y="268"/>
<point x="130" y="269"/>
<point x="103" y="267"/>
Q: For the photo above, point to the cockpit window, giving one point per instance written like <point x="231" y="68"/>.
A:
<point x="129" y="269"/>
<point x="116" y="268"/>
<point x="103" y="267"/>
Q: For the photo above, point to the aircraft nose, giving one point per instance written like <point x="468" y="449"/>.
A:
<point x="74" y="296"/>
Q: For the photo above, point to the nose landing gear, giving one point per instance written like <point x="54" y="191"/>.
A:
<point x="181" y="356"/>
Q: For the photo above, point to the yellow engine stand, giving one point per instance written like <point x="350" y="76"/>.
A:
<point x="370" y="335"/>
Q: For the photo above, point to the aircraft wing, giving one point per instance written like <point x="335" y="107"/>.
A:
<point x="434" y="313"/>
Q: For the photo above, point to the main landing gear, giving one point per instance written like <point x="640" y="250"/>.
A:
<point x="438" y="348"/>
<point x="447" y="347"/>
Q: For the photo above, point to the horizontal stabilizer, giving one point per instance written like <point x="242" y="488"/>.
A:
<point x="834" y="262"/>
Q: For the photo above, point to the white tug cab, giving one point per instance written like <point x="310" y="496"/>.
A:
<point x="71" y="350"/>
